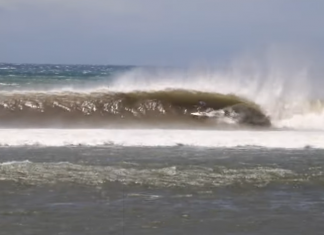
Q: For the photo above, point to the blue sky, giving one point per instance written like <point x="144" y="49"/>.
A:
<point x="154" y="32"/>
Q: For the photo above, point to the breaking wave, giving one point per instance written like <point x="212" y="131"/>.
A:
<point x="99" y="109"/>
<point x="279" y="92"/>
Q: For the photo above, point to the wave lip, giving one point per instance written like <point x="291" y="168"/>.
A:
<point x="103" y="109"/>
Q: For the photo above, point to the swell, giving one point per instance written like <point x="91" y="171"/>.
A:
<point x="100" y="109"/>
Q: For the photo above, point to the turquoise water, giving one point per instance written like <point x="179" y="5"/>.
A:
<point x="35" y="76"/>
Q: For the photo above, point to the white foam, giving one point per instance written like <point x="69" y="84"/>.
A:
<point x="305" y="121"/>
<point x="160" y="137"/>
<point x="14" y="162"/>
<point x="8" y="84"/>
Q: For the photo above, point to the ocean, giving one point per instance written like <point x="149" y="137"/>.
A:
<point x="94" y="149"/>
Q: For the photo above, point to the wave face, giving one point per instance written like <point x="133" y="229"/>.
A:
<point x="102" y="109"/>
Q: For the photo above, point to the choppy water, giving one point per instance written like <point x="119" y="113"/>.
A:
<point x="160" y="190"/>
<point x="88" y="149"/>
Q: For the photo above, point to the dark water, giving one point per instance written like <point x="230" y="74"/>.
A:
<point x="102" y="109"/>
<point x="152" y="190"/>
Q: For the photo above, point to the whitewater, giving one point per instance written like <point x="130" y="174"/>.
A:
<point x="163" y="138"/>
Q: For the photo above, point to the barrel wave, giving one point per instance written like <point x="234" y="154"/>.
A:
<point x="93" y="96"/>
<point x="94" y="109"/>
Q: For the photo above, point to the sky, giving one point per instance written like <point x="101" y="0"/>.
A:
<point x="154" y="32"/>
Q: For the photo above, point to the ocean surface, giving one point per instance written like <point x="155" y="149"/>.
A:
<point x="89" y="149"/>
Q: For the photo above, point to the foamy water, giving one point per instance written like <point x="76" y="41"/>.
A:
<point x="137" y="137"/>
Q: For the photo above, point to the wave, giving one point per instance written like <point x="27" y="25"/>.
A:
<point x="261" y="92"/>
<point x="289" y="95"/>
<point x="169" y="107"/>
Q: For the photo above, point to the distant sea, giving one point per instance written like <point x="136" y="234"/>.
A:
<point x="90" y="149"/>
